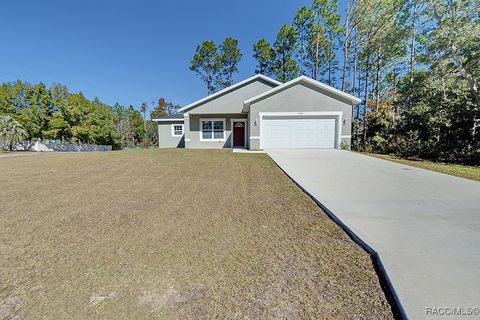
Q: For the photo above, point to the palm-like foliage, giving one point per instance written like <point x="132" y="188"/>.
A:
<point x="11" y="132"/>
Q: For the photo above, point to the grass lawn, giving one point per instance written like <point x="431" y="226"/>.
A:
<point x="472" y="173"/>
<point x="173" y="234"/>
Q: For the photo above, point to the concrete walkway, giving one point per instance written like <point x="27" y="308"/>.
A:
<point x="424" y="225"/>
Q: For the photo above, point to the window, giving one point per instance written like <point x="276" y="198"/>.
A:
<point x="212" y="129"/>
<point x="177" y="130"/>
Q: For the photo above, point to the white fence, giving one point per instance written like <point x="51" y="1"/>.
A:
<point x="60" y="146"/>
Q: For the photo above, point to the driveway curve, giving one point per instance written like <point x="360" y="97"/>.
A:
<point x="424" y="225"/>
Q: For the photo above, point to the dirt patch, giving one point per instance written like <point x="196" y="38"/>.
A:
<point x="98" y="299"/>
<point x="10" y="309"/>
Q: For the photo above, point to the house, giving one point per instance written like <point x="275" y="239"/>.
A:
<point x="261" y="113"/>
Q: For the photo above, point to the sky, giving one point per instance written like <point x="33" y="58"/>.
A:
<point x="130" y="51"/>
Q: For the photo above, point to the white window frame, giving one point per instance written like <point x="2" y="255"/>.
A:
<point x="212" y="120"/>
<point x="173" y="129"/>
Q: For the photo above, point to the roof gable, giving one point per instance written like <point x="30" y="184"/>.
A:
<point x="213" y="96"/>
<point x="338" y="94"/>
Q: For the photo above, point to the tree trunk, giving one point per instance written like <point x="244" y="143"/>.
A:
<point x="315" y="64"/>
<point x="395" y="105"/>
<point x="359" y="81"/>
<point x="345" y="61"/>
<point x="355" y="65"/>
<point x="377" y="80"/>
<point x="210" y="82"/>
<point x="345" y="52"/>
<point x="367" y="66"/>
<point x="329" y="72"/>
<point x="317" y="53"/>
<point x="359" y="85"/>
<point x="144" y="123"/>
<point x="302" y="57"/>
<point x="354" y="88"/>
<point x="412" y="43"/>
<point x="354" y="72"/>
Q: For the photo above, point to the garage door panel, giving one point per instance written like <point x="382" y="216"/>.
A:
<point x="301" y="132"/>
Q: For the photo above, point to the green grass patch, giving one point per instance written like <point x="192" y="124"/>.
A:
<point x="468" y="172"/>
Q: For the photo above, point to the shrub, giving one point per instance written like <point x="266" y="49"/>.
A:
<point x="410" y="145"/>
<point x="146" y="142"/>
<point x="344" y="146"/>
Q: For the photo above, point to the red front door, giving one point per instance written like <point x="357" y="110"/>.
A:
<point x="239" y="134"/>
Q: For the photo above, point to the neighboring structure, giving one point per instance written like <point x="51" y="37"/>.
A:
<point x="261" y="113"/>
<point x="171" y="131"/>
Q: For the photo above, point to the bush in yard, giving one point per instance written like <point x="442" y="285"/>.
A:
<point x="344" y="146"/>
<point x="410" y="145"/>
<point x="378" y="143"/>
<point x="380" y="124"/>
<point x="146" y="142"/>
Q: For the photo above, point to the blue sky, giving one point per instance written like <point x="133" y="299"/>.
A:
<point x="129" y="51"/>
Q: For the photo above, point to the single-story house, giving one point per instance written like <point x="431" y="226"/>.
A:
<point x="261" y="113"/>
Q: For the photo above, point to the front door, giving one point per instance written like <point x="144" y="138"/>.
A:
<point x="239" y="134"/>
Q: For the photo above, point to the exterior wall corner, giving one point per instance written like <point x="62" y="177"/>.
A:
<point x="186" y="129"/>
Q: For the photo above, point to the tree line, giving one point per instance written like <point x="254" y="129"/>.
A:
<point x="414" y="63"/>
<point x="31" y="112"/>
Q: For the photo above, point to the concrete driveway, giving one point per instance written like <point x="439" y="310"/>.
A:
<point x="425" y="226"/>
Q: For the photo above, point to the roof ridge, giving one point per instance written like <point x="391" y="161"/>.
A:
<point x="229" y="88"/>
<point x="292" y="82"/>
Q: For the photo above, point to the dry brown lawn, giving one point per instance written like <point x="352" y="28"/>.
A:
<point x="172" y="234"/>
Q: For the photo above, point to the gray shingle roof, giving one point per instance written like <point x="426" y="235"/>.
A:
<point x="172" y="117"/>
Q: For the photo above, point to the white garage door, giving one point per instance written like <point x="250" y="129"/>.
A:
<point x="297" y="132"/>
